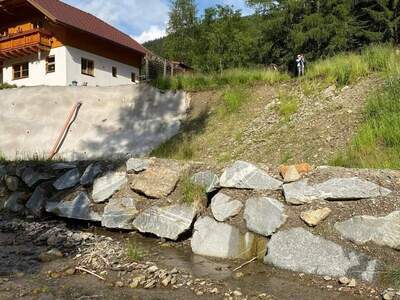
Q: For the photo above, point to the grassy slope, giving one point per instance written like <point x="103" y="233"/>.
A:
<point x="265" y="116"/>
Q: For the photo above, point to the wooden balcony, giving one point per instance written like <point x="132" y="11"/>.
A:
<point x="24" y="43"/>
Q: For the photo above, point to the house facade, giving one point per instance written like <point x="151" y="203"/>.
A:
<point x="47" y="42"/>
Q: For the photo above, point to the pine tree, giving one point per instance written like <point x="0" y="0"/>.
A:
<point x="379" y="19"/>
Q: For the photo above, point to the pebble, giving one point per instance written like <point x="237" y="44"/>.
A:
<point x="389" y="295"/>
<point x="352" y="283"/>
<point x="327" y="278"/>
<point x="344" y="280"/>
<point x="119" y="284"/>
<point x="237" y="293"/>
<point x="152" y="269"/>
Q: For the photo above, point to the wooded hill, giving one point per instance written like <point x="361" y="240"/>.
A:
<point x="222" y="38"/>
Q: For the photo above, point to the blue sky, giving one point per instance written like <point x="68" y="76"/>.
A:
<point x="143" y="19"/>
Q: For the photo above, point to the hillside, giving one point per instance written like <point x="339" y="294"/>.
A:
<point x="320" y="119"/>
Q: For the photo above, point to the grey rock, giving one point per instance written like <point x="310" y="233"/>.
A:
<point x="137" y="165"/>
<point x="68" y="180"/>
<point x="157" y="182"/>
<point x="63" y="166"/>
<point x="243" y="175"/>
<point x="104" y="187"/>
<point x="16" y="202"/>
<point x="300" y="251"/>
<point x="298" y="193"/>
<point x="90" y="174"/>
<point x="166" y="222"/>
<point x="3" y="172"/>
<point x="264" y="215"/>
<point x="32" y="177"/>
<point x="12" y="183"/>
<point x="37" y="202"/>
<point x="223" y="207"/>
<point x="79" y="208"/>
<point x="384" y="231"/>
<point x="120" y="213"/>
<point x="207" y="179"/>
<point x="222" y="240"/>
<point x="350" y="189"/>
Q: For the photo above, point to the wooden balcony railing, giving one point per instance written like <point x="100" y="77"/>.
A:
<point x="24" y="43"/>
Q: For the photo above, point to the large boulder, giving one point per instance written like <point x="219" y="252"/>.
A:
<point x="12" y="183"/>
<point x="166" y="222"/>
<point x="79" y="208"/>
<point x="264" y="215"/>
<point x="137" y="165"/>
<point x="3" y="172"/>
<point x="63" y="166"/>
<point x="119" y="213"/>
<point x="68" y="180"/>
<point x="243" y="175"/>
<point x="300" y="251"/>
<point x="31" y="177"/>
<point x="157" y="181"/>
<point x="207" y="179"/>
<point x="384" y="231"/>
<point x="298" y="193"/>
<point x="90" y="174"/>
<point x="222" y="240"/>
<point x="16" y="202"/>
<point x="104" y="187"/>
<point x="223" y="207"/>
<point x="350" y="189"/>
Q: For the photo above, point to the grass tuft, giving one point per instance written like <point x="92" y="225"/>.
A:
<point x="233" y="99"/>
<point x="192" y="192"/>
<point x="4" y="86"/>
<point x="179" y="147"/>
<point x="288" y="105"/>
<point x="134" y="252"/>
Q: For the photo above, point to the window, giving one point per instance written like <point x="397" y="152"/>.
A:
<point x="50" y="64"/>
<point x="87" y="67"/>
<point x="20" y="71"/>
<point x="114" y="71"/>
<point x="133" y="77"/>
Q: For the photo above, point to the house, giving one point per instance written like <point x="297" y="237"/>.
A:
<point x="48" y="42"/>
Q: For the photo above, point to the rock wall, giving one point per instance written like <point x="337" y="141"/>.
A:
<point x="324" y="221"/>
<point x="113" y="121"/>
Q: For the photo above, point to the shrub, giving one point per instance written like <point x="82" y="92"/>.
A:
<point x="4" y="86"/>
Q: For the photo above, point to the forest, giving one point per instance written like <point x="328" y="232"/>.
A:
<point x="221" y="37"/>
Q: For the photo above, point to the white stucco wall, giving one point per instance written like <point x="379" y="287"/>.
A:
<point x="102" y="70"/>
<point x="68" y="69"/>
<point x="37" y="70"/>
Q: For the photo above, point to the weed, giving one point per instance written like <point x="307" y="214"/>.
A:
<point x="233" y="99"/>
<point x="134" y="252"/>
<point x="4" y="86"/>
<point x="286" y="157"/>
<point x="395" y="276"/>
<point x="192" y="192"/>
<point x="288" y="105"/>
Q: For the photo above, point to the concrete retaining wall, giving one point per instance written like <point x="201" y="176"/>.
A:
<point x="113" y="121"/>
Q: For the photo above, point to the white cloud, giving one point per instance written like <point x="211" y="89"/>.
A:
<point x="134" y="17"/>
<point x="154" y="32"/>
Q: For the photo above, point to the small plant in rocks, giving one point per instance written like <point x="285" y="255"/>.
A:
<point x="134" y="252"/>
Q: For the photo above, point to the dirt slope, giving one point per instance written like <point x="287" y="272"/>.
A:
<point x="325" y="121"/>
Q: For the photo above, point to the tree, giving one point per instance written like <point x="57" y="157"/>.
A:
<point x="181" y="30"/>
<point x="379" y="19"/>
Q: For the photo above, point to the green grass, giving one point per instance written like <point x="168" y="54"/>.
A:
<point x="134" y="252"/>
<point x="4" y="86"/>
<point x="178" y="147"/>
<point x="288" y="106"/>
<point x="192" y="192"/>
<point x="377" y="143"/>
<point x="395" y="276"/>
<point x="233" y="99"/>
<point x="233" y="77"/>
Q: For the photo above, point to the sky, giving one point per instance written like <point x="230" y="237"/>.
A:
<point x="144" y="20"/>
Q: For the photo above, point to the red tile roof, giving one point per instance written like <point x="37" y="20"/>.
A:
<point x="66" y="14"/>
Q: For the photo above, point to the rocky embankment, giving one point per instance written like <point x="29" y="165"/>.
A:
<point x="331" y="222"/>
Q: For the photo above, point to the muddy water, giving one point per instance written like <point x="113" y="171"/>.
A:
<point x="27" y="278"/>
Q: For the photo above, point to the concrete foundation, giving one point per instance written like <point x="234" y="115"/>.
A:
<point x="112" y="122"/>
